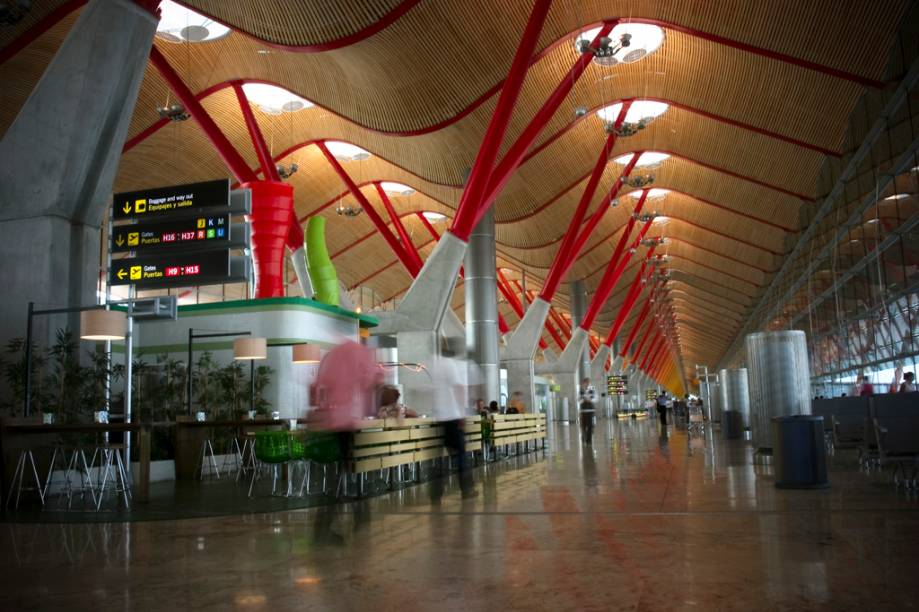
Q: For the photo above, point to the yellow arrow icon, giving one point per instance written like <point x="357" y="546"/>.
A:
<point x="119" y="240"/>
<point x="126" y="208"/>
<point x="121" y="273"/>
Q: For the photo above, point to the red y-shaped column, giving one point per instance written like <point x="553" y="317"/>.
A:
<point x="407" y="245"/>
<point x="381" y="226"/>
<point x="631" y="297"/>
<point x="565" y="256"/>
<point x="643" y="313"/>
<point x="617" y="265"/>
<point x="511" y="160"/>
<point x="476" y="186"/>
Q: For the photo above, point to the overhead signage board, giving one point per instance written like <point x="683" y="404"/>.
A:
<point x="617" y="385"/>
<point x="163" y="201"/>
<point x="206" y="231"/>
<point x="174" y="269"/>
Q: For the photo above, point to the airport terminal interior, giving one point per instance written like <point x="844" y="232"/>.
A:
<point x="459" y="305"/>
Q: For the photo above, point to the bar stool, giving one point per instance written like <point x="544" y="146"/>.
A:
<point x="111" y="469"/>
<point x="26" y="460"/>
<point x="71" y="459"/>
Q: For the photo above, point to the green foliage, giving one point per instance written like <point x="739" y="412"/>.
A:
<point x="262" y="380"/>
<point x="170" y="384"/>
<point x="205" y="383"/>
<point x="232" y="383"/>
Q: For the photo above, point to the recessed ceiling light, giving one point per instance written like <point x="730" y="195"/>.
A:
<point x="871" y="221"/>
<point x="397" y="189"/>
<point x="274" y="100"/>
<point x="179" y="24"/>
<point x="345" y="151"/>
<point x="897" y="196"/>
<point x="433" y="216"/>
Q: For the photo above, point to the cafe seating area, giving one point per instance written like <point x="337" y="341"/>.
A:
<point x="55" y="474"/>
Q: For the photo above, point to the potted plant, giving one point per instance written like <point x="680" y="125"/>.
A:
<point x="231" y="381"/>
<point x="205" y="384"/>
<point x="97" y="378"/>
<point x="170" y="388"/>
<point x="263" y="375"/>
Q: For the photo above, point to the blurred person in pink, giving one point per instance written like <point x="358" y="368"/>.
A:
<point x="345" y="389"/>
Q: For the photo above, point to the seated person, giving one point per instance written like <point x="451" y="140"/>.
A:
<point x="390" y="407"/>
<point x="516" y="405"/>
<point x="480" y="408"/>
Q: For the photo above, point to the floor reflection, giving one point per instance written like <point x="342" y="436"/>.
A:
<point x="644" y="518"/>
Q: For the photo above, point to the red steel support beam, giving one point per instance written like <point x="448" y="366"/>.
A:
<point x="381" y="226"/>
<point x="476" y="187"/>
<point x="595" y="219"/>
<point x="225" y="149"/>
<point x="645" y="336"/>
<point x="642" y="315"/>
<point x="617" y="264"/>
<point x="565" y="254"/>
<point x="631" y="297"/>
<point x="407" y="245"/>
<point x="517" y="152"/>
<point x="258" y="141"/>
<point x="652" y="352"/>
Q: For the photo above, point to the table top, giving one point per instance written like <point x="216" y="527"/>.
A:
<point x="238" y="423"/>
<point x="38" y="428"/>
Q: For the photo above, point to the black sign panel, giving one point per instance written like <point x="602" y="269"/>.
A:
<point x="183" y="269"/>
<point x="617" y="385"/>
<point x="152" y="203"/>
<point x="206" y="231"/>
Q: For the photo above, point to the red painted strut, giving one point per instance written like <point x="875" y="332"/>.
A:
<point x="407" y="245"/>
<point x="258" y="141"/>
<point x="381" y="226"/>
<point x="476" y="187"/>
<point x="616" y="265"/>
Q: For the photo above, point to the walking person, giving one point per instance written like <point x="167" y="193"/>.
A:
<point x="662" y="408"/>
<point x="450" y="401"/>
<point x="586" y="416"/>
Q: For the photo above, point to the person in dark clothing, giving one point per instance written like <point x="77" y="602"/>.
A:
<point x="587" y="421"/>
<point x="662" y="408"/>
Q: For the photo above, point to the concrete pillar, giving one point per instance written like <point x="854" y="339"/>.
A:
<point x="521" y="350"/>
<point x="59" y="160"/>
<point x="578" y="309"/>
<point x="482" y="306"/>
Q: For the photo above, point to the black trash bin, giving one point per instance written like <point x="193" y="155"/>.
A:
<point x="798" y="452"/>
<point x="732" y="424"/>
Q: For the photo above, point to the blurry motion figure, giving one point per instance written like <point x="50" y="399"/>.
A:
<point x="480" y="408"/>
<point x="493" y="407"/>
<point x="449" y="377"/>
<point x="516" y="405"/>
<point x="908" y="385"/>
<point x="391" y="407"/>
<point x="587" y="397"/>
<point x="863" y="387"/>
<point x="345" y="390"/>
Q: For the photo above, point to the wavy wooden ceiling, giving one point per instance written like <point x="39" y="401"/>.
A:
<point x="748" y="133"/>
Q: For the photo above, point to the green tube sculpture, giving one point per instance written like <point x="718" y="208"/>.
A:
<point x="322" y="272"/>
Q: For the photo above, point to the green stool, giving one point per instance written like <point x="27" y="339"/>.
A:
<point x="320" y="447"/>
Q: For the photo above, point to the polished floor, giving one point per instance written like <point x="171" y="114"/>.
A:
<point x="638" y="521"/>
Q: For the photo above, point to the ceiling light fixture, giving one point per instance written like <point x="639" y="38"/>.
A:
<point x="285" y="172"/>
<point x="179" y="24"/>
<point x="172" y="112"/>
<point x="626" y="43"/>
<point x="897" y="196"/>
<point x="640" y="114"/>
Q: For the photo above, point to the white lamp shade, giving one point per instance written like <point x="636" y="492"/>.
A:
<point x="102" y="324"/>
<point x="306" y="353"/>
<point x="250" y="348"/>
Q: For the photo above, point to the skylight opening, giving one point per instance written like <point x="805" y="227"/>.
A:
<point x="629" y="42"/>
<point x="641" y="111"/>
<point x="396" y="189"/>
<point x="648" y="158"/>
<point x="345" y="151"/>
<point x="179" y="24"/>
<point x="274" y="100"/>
